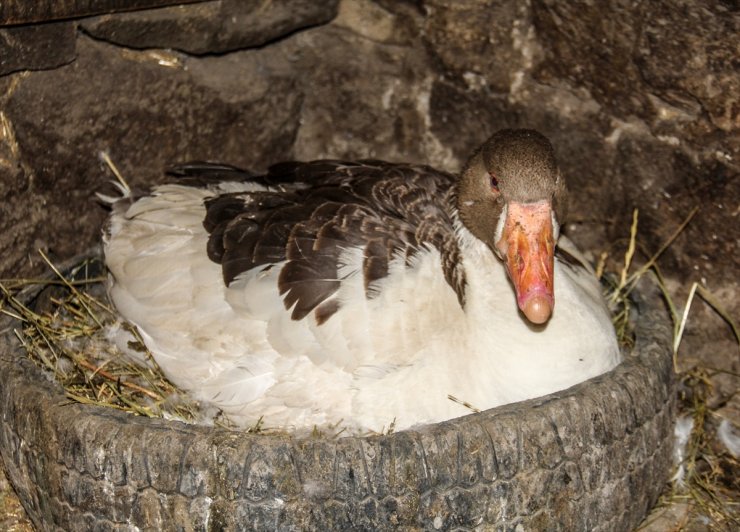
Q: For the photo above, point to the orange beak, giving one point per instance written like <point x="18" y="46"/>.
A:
<point x="528" y="245"/>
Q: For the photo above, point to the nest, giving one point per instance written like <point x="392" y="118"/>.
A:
<point x="67" y="331"/>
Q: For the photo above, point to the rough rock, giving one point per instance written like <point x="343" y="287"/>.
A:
<point x="484" y="44"/>
<point x="210" y="27"/>
<point x="345" y="76"/>
<point x="36" y="47"/>
<point x="671" y="63"/>
<point x="147" y="110"/>
<point x="24" y="12"/>
<point x="385" y="21"/>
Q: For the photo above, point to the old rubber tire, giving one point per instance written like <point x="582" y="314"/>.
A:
<point x="593" y="457"/>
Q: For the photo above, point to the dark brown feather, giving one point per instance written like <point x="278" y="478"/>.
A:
<point x="326" y="310"/>
<point x="204" y="174"/>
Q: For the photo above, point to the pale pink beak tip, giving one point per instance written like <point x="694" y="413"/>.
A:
<point x="537" y="308"/>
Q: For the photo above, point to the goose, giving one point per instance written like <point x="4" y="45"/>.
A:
<point x="364" y="294"/>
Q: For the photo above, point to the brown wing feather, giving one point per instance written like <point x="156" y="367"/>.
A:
<point x="386" y="209"/>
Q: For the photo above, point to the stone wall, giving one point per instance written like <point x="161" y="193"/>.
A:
<point x="640" y="100"/>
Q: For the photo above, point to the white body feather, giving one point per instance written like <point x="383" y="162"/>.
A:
<point x="394" y="358"/>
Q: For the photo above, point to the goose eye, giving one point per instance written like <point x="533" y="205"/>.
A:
<point x="494" y="182"/>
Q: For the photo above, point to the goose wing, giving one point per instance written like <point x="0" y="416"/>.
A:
<point x="309" y="213"/>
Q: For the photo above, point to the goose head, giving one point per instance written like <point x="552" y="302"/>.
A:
<point x="512" y="197"/>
